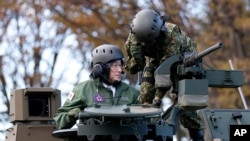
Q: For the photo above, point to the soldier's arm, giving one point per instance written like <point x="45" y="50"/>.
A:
<point x="136" y="59"/>
<point x="170" y="49"/>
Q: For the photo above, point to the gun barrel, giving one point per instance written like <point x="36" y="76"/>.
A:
<point x="209" y="50"/>
<point x="196" y="56"/>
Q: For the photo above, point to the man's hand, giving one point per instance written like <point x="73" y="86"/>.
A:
<point x="74" y="113"/>
<point x="157" y="102"/>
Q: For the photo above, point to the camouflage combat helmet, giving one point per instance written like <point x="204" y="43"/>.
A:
<point x="146" y="25"/>
<point x="106" y="53"/>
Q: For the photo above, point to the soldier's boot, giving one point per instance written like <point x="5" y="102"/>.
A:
<point x="196" y="134"/>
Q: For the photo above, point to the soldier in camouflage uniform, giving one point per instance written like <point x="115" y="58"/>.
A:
<point x="150" y="42"/>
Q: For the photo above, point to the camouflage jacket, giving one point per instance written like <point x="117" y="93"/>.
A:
<point x="85" y="94"/>
<point x="174" y="42"/>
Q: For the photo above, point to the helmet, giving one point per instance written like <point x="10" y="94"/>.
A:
<point x="102" y="55"/>
<point x="106" y="53"/>
<point x="146" y="25"/>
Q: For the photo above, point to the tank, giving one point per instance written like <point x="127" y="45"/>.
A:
<point x="32" y="109"/>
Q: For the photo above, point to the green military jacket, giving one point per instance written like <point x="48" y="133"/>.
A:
<point x="174" y="42"/>
<point x="85" y="94"/>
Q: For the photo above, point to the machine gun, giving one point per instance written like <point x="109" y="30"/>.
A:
<point x="190" y="80"/>
<point x="194" y="57"/>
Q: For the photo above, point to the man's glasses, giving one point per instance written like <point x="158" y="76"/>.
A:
<point x="116" y="66"/>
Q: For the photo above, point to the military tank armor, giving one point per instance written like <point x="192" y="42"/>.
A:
<point x="218" y="122"/>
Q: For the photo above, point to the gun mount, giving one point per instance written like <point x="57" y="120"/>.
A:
<point x="190" y="80"/>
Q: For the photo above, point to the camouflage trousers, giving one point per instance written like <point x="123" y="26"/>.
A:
<point x="189" y="119"/>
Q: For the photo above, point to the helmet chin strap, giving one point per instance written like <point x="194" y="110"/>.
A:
<point x="163" y="33"/>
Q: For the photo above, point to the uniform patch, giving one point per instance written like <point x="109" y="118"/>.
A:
<point x="98" y="98"/>
<point x="71" y="95"/>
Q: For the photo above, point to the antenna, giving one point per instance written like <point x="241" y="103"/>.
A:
<point x="239" y="88"/>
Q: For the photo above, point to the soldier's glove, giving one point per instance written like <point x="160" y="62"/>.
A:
<point x="157" y="103"/>
<point x="132" y="65"/>
<point x="74" y="114"/>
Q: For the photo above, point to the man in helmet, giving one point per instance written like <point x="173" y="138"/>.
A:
<point x="150" y="42"/>
<point x="104" y="86"/>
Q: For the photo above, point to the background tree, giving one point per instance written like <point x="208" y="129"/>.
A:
<point x="227" y="21"/>
<point x="48" y="43"/>
<point x="30" y="45"/>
